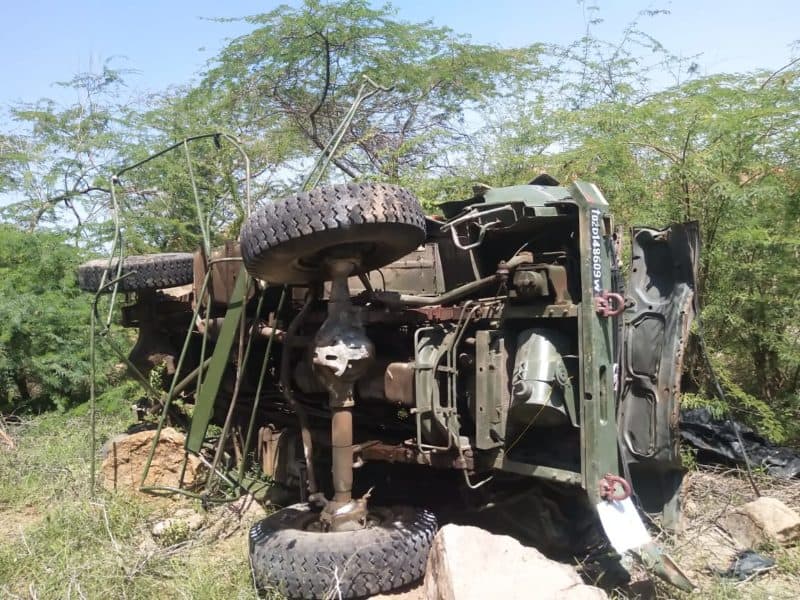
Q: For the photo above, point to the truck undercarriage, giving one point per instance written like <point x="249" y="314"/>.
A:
<point x="496" y="345"/>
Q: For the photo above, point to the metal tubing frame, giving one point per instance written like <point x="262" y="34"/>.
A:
<point x="117" y="251"/>
<point x="117" y="248"/>
<point x="257" y="400"/>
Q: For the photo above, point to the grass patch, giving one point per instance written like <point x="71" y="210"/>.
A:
<point x="57" y="542"/>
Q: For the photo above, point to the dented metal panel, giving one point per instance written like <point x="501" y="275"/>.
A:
<point x="659" y="312"/>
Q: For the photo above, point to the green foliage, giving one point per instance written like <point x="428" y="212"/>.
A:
<point x="283" y="89"/>
<point x="159" y="211"/>
<point x="44" y="322"/>
<point x="688" y="457"/>
<point x="176" y="533"/>
<point x="57" y="165"/>
<point x="715" y="406"/>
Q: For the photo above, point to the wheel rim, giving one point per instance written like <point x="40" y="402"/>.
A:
<point x="376" y="517"/>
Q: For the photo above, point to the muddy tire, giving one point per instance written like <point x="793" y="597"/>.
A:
<point x="287" y="554"/>
<point x="148" y="272"/>
<point x="287" y="241"/>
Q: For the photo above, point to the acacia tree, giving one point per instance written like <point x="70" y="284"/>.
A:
<point x="296" y="74"/>
<point x="44" y="319"/>
<point x="283" y="89"/>
<point x="56" y="166"/>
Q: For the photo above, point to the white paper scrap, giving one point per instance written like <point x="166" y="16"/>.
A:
<point x="622" y="524"/>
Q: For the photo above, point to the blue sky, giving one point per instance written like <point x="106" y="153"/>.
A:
<point x="168" y="41"/>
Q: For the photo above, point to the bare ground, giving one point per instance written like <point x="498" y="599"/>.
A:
<point x="703" y="549"/>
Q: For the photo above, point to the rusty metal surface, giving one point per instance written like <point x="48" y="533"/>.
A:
<point x="269" y="441"/>
<point x="437" y="314"/>
<point x="408" y="454"/>
<point x="342" y="448"/>
<point x="302" y="415"/>
<point x="542" y="280"/>
<point x="614" y="487"/>
<point x="418" y="272"/>
<point x="155" y="309"/>
<point x="223" y="275"/>
<point x="342" y="354"/>
<point x="609" y="304"/>
<point x="399" y="383"/>
<point x="543" y="311"/>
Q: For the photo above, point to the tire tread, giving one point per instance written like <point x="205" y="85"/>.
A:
<point x="148" y="272"/>
<point x="372" y="561"/>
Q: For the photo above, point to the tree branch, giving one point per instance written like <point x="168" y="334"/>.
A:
<point x="326" y="86"/>
<point x="779" y="71"/>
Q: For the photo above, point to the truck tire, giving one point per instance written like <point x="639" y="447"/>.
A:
<point x="287" y="554"/>
<point x="287" y="241"/>
<point x="148" y="272"/>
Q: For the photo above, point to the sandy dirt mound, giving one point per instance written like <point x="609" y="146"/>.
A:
<point x="125" y="458"/>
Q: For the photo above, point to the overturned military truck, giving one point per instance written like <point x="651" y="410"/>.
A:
<point x="493" y="347"/>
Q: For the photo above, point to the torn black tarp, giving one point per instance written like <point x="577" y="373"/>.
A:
<point x="716" y="439"/>
<point x="746" y="564"/>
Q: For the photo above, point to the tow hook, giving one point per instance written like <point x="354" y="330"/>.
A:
<point x="609" y="304"/>
<point x="609" y="491"/>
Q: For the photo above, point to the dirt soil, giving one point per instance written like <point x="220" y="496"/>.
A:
<point x="703" y="549"/>
<point x="125" y="457"/>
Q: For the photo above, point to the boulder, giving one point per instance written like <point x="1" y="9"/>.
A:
<point x="125" y="457"/>
<point x="469" y="563"/>
<point x="765" y="520"/>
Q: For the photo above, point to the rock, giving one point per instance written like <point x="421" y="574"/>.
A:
<point x="711" y="548"/>
<point x="469" y="563"/>
<point x="160" y="527"/>
<point x="188" y="518"/>
<point x="108" y="447"/>
<point x="761" y="521"/>
<point x="126" y="456"/>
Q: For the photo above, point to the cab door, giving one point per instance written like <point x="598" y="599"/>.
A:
<point x="660" y="306"/>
